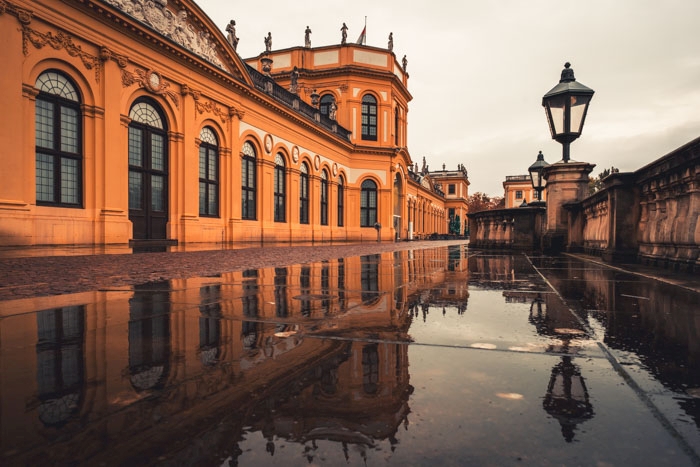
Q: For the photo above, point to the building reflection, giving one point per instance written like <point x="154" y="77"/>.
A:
<point x="282" y="351"/>
<point x="60" y="363"/>
<point x="149" y="336"/>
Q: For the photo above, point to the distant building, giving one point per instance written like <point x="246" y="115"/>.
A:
<point x="138" y="121"/>
<point x="518" y="189"/>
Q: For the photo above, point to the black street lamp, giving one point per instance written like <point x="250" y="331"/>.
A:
<point x="566" y="105"/>
<point x="537" y="175"/>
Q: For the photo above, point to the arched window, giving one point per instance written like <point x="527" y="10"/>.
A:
<point x="248" y="185"/>
<point x="148" y="170"/>
<point x="304" y="194"/>
<point x="325" y="104"/>
<point x="368" y="204"/>
<point x="58" y="137"/>
<point x="208" y="173"/>
<point x="280" y="189"/>
<point x="341" y="201"/>
<point x="324" y="197"/>
<point x="369" y="118"/>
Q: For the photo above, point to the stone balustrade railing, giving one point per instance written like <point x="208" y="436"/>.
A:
<point x="651" y="216"/>
<point x="514" y="228"/>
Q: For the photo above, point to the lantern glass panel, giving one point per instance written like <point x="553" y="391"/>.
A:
<point x="578" y="112"/>
<point x="556" y="105"/>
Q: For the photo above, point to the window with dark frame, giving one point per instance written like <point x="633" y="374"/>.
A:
<point x="518" y="194"/>
<point x="368" y="204"/>
<point x="341" y="201"/>
<point x="280" y="189"/>
<point x="208" y="173"/>
<point x="369" y="118"/>
<point x="396" y="126"/>
<point x="451" y="189"/>
<point x="324" y="197"/>
<point x="58" y="139"/>
<point x="324" y="105"/>
<point x="304" y="194"/>
<point x="248" y="182"/>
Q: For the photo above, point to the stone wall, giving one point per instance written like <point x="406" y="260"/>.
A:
<point x="515" y="228"/>
<point x="669" y="198"/>
<point x="650" y="215"/>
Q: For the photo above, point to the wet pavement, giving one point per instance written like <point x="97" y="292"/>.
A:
<point x="421" y="354"/>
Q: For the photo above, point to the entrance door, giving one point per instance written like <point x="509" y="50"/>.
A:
<point x="148" y="172"/>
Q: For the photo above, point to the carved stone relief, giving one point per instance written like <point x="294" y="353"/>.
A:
<point x="173" y="25"/>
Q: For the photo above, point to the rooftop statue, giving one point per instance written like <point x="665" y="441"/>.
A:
<point x="231" y="29"/>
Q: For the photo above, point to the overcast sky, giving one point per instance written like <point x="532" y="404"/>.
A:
<point x="478" y="71"/>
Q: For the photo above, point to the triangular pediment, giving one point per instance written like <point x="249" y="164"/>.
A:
<point x="184" y="23"/>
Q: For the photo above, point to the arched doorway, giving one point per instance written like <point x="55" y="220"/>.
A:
<point x="148" y="171"/>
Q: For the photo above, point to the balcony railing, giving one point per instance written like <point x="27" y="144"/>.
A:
<point x="294" y="102"/>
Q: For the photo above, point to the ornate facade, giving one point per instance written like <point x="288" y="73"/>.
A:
<point x="136" y="120"/>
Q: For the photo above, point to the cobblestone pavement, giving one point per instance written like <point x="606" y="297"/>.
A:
<point x="26" y="277"/>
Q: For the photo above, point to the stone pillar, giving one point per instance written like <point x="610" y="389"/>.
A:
<point x="567" y="182"/>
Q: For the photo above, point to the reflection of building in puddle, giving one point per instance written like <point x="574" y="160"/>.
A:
<point x="128" y="364"/>
<point x="149" y="336"/>
<point x="60" y="363"/>
<point x="500" y="272"/>
<point x="351" y="398"/>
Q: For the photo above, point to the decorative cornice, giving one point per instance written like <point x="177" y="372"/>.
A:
<point x="23" y="16"/>
<point x="59" y="40"/>
<point x="144" y="78"/>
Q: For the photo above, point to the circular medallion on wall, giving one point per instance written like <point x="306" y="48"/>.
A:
<point x="268" y="143"/>
<point x="335" y="169"/>
<point x="317" y="161"/>
<point x="153" y="80"/>
<point x="295" y="154"/>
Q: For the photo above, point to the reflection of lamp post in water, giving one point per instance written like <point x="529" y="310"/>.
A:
<point x="567" y="397"/>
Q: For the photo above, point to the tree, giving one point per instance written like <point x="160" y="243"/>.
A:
<point x="455" y="225"/>
<point x="596" y="184"/>
<point x="483" y="202"/>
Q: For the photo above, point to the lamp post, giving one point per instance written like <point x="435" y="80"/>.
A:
<point x="566" y="105"/>
<point x="537" y="176"/>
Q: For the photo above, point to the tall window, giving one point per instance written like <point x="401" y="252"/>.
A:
<point x="325" y="104"/>
<point x="369" y="118"/>
<point x="280" y="189"/>
<point x="368" y="204"/>
<point x="518" y="194"/>
<point x="208" y="173"/>
<point x="248" y="187"/>
<point x="341" y="201"/>
<point x="58" y="137"/>
<point x="451" y="189"/>
<point x="304" y="194"/>
<point x="396" y="126"/>
<point x="324" y="197"/>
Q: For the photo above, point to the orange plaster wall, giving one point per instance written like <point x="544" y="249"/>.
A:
<point x="108" y="72"/>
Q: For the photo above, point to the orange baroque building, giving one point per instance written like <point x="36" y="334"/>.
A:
<point x="130" y="121"/>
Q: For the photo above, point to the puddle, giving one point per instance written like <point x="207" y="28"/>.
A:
<point x="421" y="357"/>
